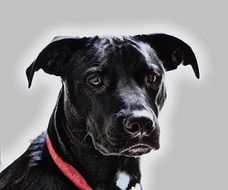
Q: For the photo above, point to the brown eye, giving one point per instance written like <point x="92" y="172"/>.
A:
<point x="95" y="81"/>
<point x="151" y="79"/>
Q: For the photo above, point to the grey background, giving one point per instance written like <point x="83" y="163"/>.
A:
<point x="193" y="152"/>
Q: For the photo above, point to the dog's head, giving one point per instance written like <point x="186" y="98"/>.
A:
<point x="116" y="84"/>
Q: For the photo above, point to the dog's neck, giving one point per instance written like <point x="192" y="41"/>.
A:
<point x="101" y="172"/>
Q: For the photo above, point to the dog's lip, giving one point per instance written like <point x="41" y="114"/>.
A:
<point x="137" y="150"/>
<point x="140" y="146"/>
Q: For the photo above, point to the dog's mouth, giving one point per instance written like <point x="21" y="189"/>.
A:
<point x="132" y="151"/>
<point x="134" y="148"/>
<point x="137" y="150"/>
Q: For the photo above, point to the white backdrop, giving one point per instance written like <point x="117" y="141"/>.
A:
<point x="193" y="122"/>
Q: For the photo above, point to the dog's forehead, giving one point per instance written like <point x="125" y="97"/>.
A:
<point x="123" y="49"/>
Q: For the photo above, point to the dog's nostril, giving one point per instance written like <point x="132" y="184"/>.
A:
<point x="133" y="127"/>
<point x="148" y="128"/>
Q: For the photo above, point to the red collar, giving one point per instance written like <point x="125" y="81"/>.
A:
<point x="69" y="171"/>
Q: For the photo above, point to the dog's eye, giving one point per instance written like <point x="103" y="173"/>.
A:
<point x="95" y="81"/>
<point x="151" y="79"/>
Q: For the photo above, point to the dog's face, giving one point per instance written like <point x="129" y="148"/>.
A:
<point x="116" y="85"/>
<point x="121" y="84"/>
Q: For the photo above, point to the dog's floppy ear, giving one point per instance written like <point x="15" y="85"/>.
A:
<point x="55" y="56"/>
<point x="172" y="51"/>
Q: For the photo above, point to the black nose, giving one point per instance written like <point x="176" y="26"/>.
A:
<point x="138" y="126"/>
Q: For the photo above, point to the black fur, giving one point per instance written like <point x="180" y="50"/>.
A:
<point x="96" y="128"/>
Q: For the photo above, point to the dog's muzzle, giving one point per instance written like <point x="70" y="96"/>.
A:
<point x="142" y="128"/>
<point x="131" y="133"/>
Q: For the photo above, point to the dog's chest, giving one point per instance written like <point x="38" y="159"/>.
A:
<point x="123" y="181"/>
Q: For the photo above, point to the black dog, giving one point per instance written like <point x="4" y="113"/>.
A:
<point x="105" y="116"/>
